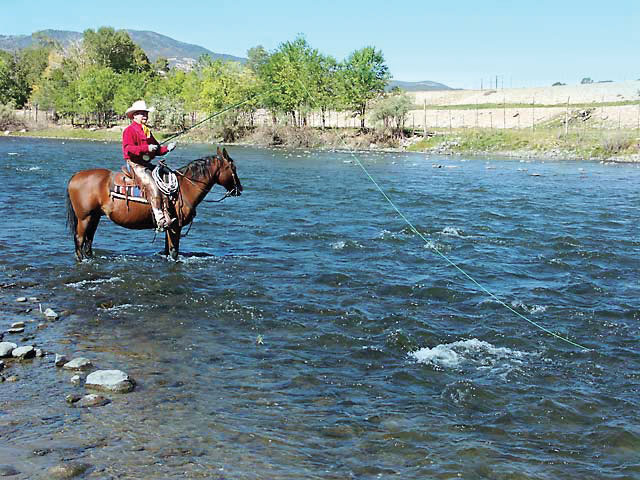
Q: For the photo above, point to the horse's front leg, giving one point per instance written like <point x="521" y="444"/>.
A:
<point x="172" y="242"/>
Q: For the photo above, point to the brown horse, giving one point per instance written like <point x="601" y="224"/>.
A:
<point x="89" y="197"/>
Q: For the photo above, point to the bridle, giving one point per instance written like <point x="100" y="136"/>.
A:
<point x="235" y="191"/>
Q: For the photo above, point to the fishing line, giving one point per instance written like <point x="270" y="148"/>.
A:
<point x="447" y="259"/>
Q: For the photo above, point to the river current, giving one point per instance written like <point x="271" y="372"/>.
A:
<point x="306" y="332"/>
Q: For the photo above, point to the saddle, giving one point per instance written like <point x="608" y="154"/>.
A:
<point x="126" y="187"/>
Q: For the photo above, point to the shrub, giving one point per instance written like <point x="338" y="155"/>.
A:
<point x="8" y="118"/>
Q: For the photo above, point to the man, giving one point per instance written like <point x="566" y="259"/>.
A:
<point x="140" y="147"/>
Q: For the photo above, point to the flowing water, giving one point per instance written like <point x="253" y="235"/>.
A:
<point x="306" y="331"/>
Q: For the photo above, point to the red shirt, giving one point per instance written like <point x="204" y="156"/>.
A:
<point x="135" y="144"/>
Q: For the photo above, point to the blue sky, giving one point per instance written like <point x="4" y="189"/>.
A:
<point x="461" y="44"/>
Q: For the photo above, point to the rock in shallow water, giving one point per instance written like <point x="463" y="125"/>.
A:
<point x="68" y="470"/>
<point x="50" y="314"/>
<point x="92" y="400"/>
<point x="79" y="363"/>
<point x="60" y="360"/>
<point x="110" y="381"/>
<point x="6" y="348"/>
<point x="24" y="352"/>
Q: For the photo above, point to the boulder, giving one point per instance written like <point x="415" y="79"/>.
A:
<point x="79" y="363"/>
<point x="110" y="381"/>
<point x="26" y="351"/>
<point x="6" y="348"/>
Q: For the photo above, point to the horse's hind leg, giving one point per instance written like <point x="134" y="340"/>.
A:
<point x="83" y="238"/>
<point x="90" y="231"/>
<point x="80" y="238"/>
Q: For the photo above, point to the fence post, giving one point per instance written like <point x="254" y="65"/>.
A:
<point x="533" y="114"/>
<point x="566" y="119"/>
<point x="424" y="132"/>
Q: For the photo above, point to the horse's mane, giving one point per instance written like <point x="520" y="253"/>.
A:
<point x="198" y="168"/>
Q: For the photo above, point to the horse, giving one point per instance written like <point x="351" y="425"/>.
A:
<point x="90" y="196"/>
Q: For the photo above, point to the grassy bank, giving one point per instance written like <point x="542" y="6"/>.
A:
<point x="547" y="141"/>
<point x="586" y="143"/>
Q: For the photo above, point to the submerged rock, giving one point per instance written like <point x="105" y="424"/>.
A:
<point x="92" y="400"/>
<point x="16" y="330"/>
<point x="6" y="348"/>
<point x="17" y="325"/>
<point x="8" y="471"/>
<point x="72" y="398"/>
<point x="110" y="381"/>
<point x="79" y="363"/>
<point x="68" y="470"/>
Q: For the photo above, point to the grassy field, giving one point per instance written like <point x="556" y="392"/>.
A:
<point x="585" y="143"/>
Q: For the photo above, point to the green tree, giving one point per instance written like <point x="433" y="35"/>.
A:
<point x="58" y="89"/>
<point x="364" y="75"/>
<point x="256" y="57"/>
<point x="114" y="49"/>
<point x="96" y="87"/>
<point x="14" y="82"/>
<point x="130" y="86"/>
<point x="286" y="78"/>
<point x="325" y="86"/>
<point x="161" y="65"/>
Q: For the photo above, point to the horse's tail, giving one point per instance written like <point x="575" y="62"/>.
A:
<point x="72" y="219"/>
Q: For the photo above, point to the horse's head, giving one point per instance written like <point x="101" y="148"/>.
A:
<point x="227" y="176"/>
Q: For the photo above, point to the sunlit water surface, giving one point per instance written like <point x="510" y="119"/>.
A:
<point x="307" y="332"/>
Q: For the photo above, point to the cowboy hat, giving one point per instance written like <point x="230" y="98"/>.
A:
<point x="138" y="106"/>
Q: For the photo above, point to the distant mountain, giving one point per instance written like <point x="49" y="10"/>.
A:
<point x="154" y="45"/>
<point x="418" y="86"/>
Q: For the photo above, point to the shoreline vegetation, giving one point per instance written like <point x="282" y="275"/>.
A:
<point x="546" y="141"/>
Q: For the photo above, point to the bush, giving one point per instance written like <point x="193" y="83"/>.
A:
<point x="616" y="143"/>
<point x="9" y="119"/>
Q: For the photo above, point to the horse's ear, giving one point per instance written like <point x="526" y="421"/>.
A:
<point x="225" y="154"/>
<point x="218" y="152"/>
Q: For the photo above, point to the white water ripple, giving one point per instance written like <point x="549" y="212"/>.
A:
<point x="474" y="352"/>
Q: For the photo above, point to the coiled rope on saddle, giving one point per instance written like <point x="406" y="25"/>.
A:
<point x="168" y="186"/>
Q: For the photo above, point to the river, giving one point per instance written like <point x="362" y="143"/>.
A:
<point x="307" y="332"/>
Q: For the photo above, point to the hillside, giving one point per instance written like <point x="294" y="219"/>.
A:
<point x="154" y="45"/>
<point x="426" y="85"/>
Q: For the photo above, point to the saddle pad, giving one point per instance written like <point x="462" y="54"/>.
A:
<point x="126" y="190"/>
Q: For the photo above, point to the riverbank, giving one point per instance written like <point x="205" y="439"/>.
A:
<point x="551" y="141"/>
